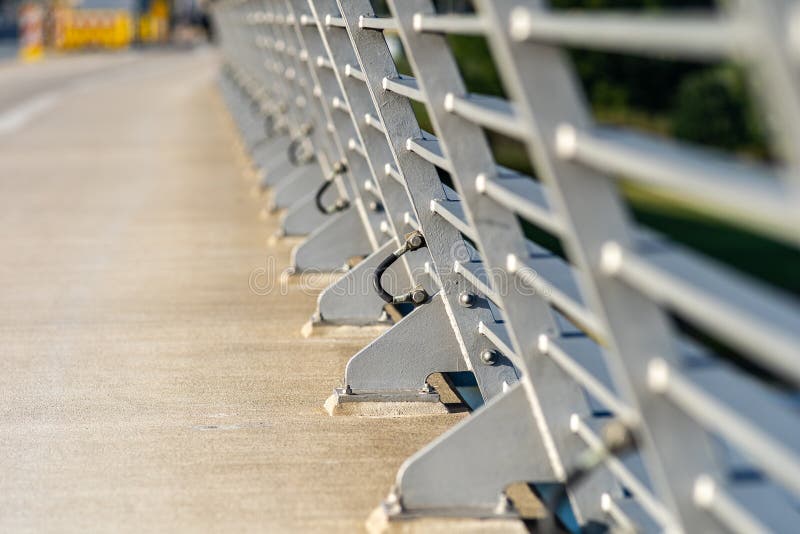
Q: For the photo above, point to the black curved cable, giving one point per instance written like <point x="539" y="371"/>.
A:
<point x="417" y="296"/>
<point x="341" y="203"/>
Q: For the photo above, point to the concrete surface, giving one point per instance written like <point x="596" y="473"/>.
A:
<point x="144" y="385"/>
<point x="40" y="85"/>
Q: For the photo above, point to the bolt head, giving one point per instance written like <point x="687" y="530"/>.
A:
<point x="418" y="296"/>
<point x="466" y="299"/>
<point x="489" y="357"/>
<point x="449" y="102"/>
<point x="415" y="240"/>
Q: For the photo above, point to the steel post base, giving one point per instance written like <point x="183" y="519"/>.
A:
<point x="303" y="217"/>
<point x="352" y="300"/>
<point x="329" y="247"/>
<point x="465" y="472"/>
<point x="296" y="186"/>
<point x="388" y="376"/>
<point x="279" y="169"/>
<point x="269" y="158"/>
<point x="381" y="522"/>
<point x="402" y="359"/>
<point x="385" y="403"/>
<point x="422" y="395"/>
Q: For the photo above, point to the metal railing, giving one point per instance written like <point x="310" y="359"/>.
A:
<point x="590" y="380"/>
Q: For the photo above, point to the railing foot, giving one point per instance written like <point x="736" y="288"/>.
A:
<point x="379" y="522"/>
<point x="277" y="169"/>
<point x="296" y="186"/>
<point x="465" y="472"/>
<point x="270" y="159"/>
<point x="394" y="367"/>
<point x="352" y="300"/>
<point x="330" y="246"/>
<point x="302" y="217"/>
<point x="314" y="328"/>
<point x="389" y="404"/>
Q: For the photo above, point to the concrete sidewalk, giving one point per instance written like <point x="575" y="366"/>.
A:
<point x="144" y="385"/>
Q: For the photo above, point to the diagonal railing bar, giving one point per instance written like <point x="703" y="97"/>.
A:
<point x="285" y="52"/>
<point x="463" y="303"/>
<point x="389" y="200"/>
<point x="554" y="396"/>
<point x="297" y="92"/>
<point x="357" y="172"/>
<point x="295" y="55"/>
<point x="665" y="430"/>
<point x="373" y="139"/>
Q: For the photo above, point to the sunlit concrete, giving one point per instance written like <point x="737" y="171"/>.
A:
<point x="144" y="385"/>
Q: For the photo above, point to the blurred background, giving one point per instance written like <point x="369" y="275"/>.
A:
<point x="29" y="29"/>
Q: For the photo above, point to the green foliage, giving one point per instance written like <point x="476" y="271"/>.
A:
<point x="713" y="107"/>
<point x="476" y="65"/>
<point x="614" y="81"/>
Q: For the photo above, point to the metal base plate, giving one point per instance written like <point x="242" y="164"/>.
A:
<point x="380" y="521"/>
<point x="384" y="404"/>
<point x="317" y="328"/>
<point x="386" y="396"/>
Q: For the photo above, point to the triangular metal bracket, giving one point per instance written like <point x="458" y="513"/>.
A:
<point x="302" y="217"/>
<point x="402" y="358"/>
<point x="352" y="300"/>
<point x="465" y="472"/>
<point x="330" y="246"/>
<point x="296" y="186"/>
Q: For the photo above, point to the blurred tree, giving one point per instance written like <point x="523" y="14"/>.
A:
<point x="713" y="107"/>
<point x="695" y="102"/>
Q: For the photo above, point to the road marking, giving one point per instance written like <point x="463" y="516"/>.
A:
<point x="20" y="115"/>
